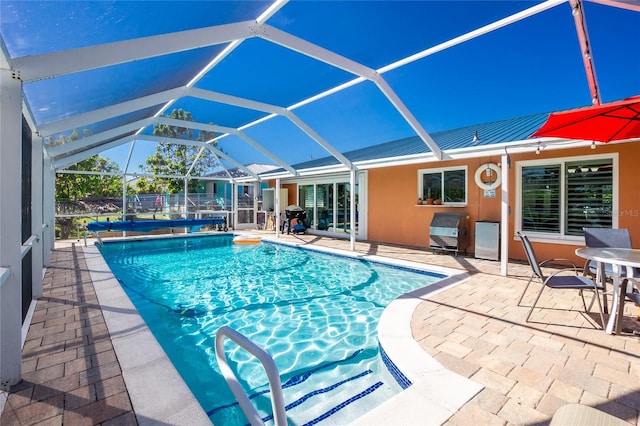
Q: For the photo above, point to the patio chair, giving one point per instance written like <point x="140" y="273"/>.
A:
<point x="559" y="280"/>
<point x="615" y="238"/>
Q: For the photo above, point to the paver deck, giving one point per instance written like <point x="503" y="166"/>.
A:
<point x="528" y="370"/>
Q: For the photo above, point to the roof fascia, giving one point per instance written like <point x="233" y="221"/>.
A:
<point x="315" y="171"/>
<point x="523" y="146"/>
<point x="48" y="65"/>
<point x="111" y="111"/>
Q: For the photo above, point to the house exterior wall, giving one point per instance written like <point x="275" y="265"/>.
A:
<point x="292" y="191"/>
<point x="395" y="217"/>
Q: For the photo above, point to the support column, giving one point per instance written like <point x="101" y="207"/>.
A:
<point x="49" y="209"/>
<point x="36" y="216"/>
<point x="234" y="205"/>
<point x="124" y="198"/>
<point x="276" y="209"/>
<point x="504" y="217"/>
<point x="10" y="227"/>
<point x="352" y="207"/>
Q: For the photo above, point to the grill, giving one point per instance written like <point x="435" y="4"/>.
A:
<point x="446" y="234"/>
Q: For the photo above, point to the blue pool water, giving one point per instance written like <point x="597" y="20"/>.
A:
<point x="316" y="314"/>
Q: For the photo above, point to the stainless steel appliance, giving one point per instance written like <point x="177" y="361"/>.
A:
<point x="487" y="240"/>
<point x="446" y="232"/>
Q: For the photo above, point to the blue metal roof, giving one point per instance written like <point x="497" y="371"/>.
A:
<point x="496" y="132"/>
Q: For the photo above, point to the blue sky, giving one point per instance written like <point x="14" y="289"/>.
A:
<point x="528" y="67"/>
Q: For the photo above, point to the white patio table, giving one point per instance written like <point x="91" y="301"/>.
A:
<point x="616" y="257"/>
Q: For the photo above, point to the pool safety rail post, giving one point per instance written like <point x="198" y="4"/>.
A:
<point x="277" y="398"/>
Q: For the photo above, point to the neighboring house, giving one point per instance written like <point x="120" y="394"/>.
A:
<point x="242" y="180"/>
<point x="553" y="187"/>
<point x="238" y="185"/>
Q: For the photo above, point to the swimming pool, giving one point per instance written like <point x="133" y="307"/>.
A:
<point x="315" y="313"/>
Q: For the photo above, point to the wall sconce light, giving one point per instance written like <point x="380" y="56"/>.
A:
<point x="475" y="139"/>
<point x="538" y="149"/>
<point x="593" y="144"/>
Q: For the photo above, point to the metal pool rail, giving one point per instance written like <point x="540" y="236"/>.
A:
<point x="277" y="398"/>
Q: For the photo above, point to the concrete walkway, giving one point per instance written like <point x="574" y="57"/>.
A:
<point x="528" y="370"/>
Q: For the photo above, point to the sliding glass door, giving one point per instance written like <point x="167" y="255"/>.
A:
<point x="328" y="206"/>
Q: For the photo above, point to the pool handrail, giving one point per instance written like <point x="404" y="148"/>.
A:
<point x="277" y="398"/>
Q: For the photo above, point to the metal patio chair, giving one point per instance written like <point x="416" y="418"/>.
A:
<point x="559" y="280"/>
<point x="615" y="238"/>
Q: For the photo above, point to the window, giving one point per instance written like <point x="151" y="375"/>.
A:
<point x="567" y="195"/>
<point x="447" y="185"/>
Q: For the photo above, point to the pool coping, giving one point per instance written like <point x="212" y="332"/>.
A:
<point x="438" y="392"/>
<point x="158" y="393"/>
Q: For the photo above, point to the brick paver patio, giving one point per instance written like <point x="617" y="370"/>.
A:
<point x="70" y="372"/>
<point x="529" y="370"/>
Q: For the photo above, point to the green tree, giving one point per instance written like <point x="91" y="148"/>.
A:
<point x="72" y="190"/>
<point x="78" y="186"/>
<point x="176" y="160"/>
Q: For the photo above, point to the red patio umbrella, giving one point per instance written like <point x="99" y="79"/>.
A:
<point x="603" y="123"/>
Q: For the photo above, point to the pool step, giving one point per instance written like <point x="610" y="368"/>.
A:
<point x="336" y="402"/>
<point x="332" y="393"/>
<point x="341" y="408"/>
